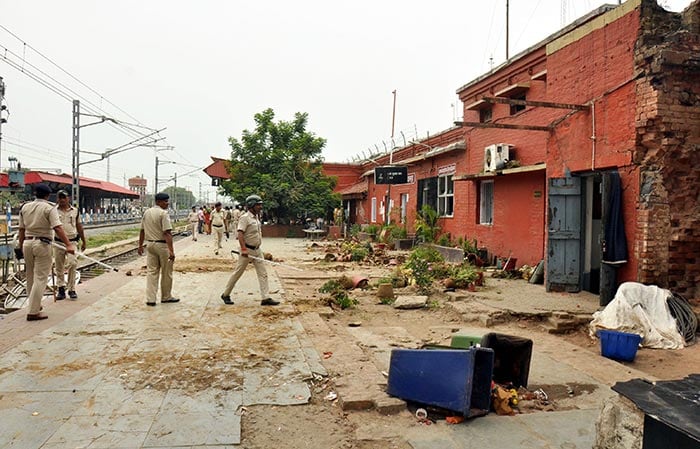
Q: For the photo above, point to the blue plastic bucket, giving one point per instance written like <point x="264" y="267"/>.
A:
<point x="618" y="345"/>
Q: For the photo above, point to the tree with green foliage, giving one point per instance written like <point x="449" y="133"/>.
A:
<point x="183" y="198"/>
<point x="281" y="161"/>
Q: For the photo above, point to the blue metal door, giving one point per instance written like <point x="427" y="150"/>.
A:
<point x="564" y="235"/>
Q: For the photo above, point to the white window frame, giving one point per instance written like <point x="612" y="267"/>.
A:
<point x="486" y="202"/>
<point x="404" y="207"/>
<point x="373" y="213"/>
<point x="446" y="194"/>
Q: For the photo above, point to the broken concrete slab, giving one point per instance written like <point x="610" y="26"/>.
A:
<point x="410" y="302"/>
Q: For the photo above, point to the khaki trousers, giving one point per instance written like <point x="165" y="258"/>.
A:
<point x="37" y="260"/>
<point x="158" y="265"/>
<point x="260" y="269"/>
<point x="218" y="236"/>
<point x="193" y="227"/>
<point x="64" y="260"/>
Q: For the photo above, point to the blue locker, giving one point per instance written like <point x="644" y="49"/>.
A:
<point x="453" y="379"/>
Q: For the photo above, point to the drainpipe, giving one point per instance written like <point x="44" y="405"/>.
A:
<point x="593" y="136"/>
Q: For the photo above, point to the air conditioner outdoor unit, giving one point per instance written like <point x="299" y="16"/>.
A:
<point x="496" y="156"/>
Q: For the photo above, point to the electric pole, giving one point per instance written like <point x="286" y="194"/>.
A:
<point x="3" y="108"/>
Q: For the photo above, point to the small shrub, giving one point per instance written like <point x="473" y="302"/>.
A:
<point x="359" y="253"/>
<point x="444" y="240"/>
<point x="355" y="229"/>
<point x="372" y="229"/>
<point x="338" y="294"/>
<point x="420" y="264"/>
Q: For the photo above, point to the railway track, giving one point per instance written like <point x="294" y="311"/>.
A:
<point x="92" y="269"/>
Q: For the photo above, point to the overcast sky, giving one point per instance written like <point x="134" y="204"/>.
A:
<point x="203" y="68"/>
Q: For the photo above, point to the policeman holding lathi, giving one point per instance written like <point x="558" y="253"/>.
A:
<point x="38" y="220"/>
<point x="250" y="239"/>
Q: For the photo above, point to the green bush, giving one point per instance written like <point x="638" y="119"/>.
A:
<point x="355" y="229"/>
<point x="338" y="294"/>
<point x="372" y="229"/>
<point x="359" y="253"/>
<point x="463" y="275"/>
<point x="445" y="240"/>
<point x="427" y="224"/>
<point x="421" y="263"/>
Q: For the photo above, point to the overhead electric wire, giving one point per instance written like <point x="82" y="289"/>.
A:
<point x="125" y="126"/>
<point x="90" y="107"/>
<point x="67" y="73"/>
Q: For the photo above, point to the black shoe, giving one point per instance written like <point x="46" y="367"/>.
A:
<point x="61" y="293"/>
<point x="269" y="302"/>
<point x="152" y="304"/>
<point x="164" y="301"/>
<point x="72" y="294"/>
<point x="226" y="299"/>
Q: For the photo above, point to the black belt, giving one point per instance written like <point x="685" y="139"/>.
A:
<point x="43" y="239"/>
<point x="156" y="241"/>
<point x="217" y="226"/>
<point x="76" y="239"/>
<point x="251" y="247"/>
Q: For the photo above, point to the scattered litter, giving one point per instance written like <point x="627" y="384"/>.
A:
<point x="327" y="355"/>
<point x="35" y="414"/>
<point x="331" y="396"/>
<point x="242" y="411"/>
<point x="541" y="395"/>
<point x="454" y="419"/>
<point x="421" y="414"/>
<point x="355" y="324"/>
<point x="385" y="374"/>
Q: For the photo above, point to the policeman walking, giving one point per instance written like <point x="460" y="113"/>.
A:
<point x="156" y="229"/>
<point x="250" y="239"/>
<point x="193" y="222"/>
<point x="218" y="226"/>
<point x="73" y="227"/>
<point x="37" y="222"/>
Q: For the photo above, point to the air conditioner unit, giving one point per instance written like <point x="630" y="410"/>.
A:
<point x="496" y="156"/>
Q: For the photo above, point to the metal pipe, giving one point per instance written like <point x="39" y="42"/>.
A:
<point x="593" y="136"/>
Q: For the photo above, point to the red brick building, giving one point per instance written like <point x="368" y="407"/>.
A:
<point x="594" y="131"/>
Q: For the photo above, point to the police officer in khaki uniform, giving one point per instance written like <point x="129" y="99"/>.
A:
<point x="37" y="222"/>
<point x="156" y="230"/>
<point x="218" y="225"/>
<point x="250" y="239"/>
<point x="193" y="222"/>
<point x="72" y="226"/>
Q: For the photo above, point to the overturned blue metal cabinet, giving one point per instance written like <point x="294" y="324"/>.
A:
<point x="453" y="379"/>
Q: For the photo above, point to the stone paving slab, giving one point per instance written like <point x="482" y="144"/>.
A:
<point x="115" y="373"/>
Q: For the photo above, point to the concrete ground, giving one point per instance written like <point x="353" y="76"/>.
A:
<point x="108" y="372"/>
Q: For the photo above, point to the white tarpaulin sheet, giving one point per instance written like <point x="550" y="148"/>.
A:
<point x="643" y="310"/>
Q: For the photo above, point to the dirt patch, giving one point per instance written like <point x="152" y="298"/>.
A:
<point x="202" y="265"/>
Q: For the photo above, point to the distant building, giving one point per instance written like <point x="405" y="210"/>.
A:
<point x="138" y="185"/>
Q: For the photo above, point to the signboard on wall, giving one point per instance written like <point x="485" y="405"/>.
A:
<point x="391" y="175"/>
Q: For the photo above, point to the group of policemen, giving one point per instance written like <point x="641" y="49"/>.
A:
<point x="156" y="230"/>
<point x="48" y="232"/>
<point x="44" y="226"/>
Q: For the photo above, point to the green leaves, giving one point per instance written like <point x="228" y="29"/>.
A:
<point x="281" y="162"/>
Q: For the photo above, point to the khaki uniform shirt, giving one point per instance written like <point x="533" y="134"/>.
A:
<point x="217" y="218"/>
<point x="155" y="221"/>
<point x="69" y="221"/>
<point x="236" y="216"/>
<point x="250" y="225"/>
<point x="193" y="217"/>
<point x="38" y="219"/>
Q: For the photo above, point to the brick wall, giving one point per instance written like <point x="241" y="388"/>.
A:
<point x="668" y="148"/>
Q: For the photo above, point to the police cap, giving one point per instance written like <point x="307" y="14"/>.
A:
<point x="162" y="196"/>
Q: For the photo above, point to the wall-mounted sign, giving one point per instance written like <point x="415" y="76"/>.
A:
<point x="411" y="178"/>
<point x="391" y="175"/>
<point x="447" y="170"/>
